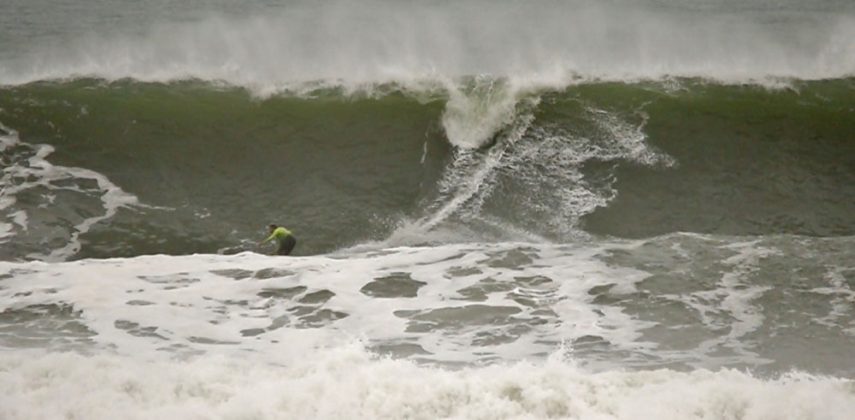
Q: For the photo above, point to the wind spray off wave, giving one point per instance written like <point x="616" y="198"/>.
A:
<point x="542" y="43"/>
<point x="505" y="210"/>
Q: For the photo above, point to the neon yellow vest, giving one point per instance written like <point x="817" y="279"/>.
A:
<point x="279" y="234"/>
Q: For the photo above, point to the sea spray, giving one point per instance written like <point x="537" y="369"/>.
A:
<point x="544" y="42"/>
<point x="350" y="382"/>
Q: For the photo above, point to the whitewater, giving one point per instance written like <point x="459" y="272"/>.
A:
<point x="504" y="210"/>
<point x="465" y="331"/>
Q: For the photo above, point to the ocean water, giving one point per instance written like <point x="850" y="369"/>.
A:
<point x="504" y="210"/>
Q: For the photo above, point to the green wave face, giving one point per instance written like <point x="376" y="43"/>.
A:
<point x="211" y="165"/>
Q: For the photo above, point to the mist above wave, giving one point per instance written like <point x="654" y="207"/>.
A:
<point x="544" y="43"/>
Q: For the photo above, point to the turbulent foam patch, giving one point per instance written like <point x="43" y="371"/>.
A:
<point x="348" y="382"/>
<point x="88" y="198"/>
<point x="361" y="295"/>
<point x="477" y="111"/>
<point x="680" y="301"/>
<point x="542" y="164"/>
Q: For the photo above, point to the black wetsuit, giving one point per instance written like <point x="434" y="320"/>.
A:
<point x="286" y="245"/>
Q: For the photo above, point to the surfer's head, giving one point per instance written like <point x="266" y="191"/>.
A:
<point x="271" y="227"/>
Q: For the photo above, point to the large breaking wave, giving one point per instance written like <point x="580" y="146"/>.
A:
<point x="541" y="43"/>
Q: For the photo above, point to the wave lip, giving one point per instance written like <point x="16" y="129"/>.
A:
<point x="544" y="43"/>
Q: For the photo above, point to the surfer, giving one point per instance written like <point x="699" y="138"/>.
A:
<point x="285" y="240"/>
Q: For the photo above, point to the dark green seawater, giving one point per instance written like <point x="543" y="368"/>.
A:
<point x="212" y="165"/>
<point x="584" y="209"/>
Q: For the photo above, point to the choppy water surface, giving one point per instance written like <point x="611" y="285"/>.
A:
<point x="552" y="210"/>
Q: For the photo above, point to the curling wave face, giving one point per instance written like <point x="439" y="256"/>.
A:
<point x="543" y="210"/>
<point x="208" y="166"/>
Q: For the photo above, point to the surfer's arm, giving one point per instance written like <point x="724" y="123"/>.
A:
<point x="269" y="238"/>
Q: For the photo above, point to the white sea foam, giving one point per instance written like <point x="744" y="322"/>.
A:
<point x="249" y="302"/>
<point x="536" y="43"/>
<point x="476" y="331"/>
<point x="464" y="303"/>
<point x="31" y="171"/>
<point x="547" y="160"/>
<point x="842" y="298"/>
<point x="348" y="382"/>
